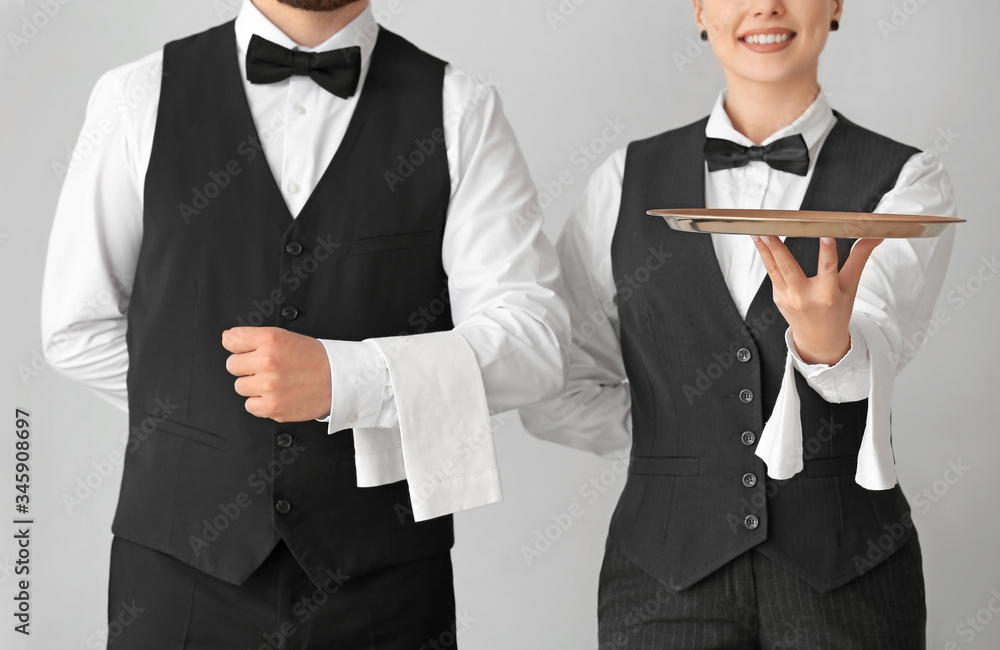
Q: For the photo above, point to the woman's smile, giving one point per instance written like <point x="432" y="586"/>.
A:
<point x="768" y="40"/>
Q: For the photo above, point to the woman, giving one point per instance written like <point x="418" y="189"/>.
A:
<point x="753" y="376"/>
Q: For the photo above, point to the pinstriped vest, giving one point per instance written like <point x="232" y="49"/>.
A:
<point x="704" y="381"/>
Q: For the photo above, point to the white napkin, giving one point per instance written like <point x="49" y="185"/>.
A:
<point x="780" y="445"/>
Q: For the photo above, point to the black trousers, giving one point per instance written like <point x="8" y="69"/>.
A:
<point x="753" y="603"/>
<point x="156" y="602"/>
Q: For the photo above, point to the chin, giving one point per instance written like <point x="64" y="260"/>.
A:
<point x="318" y="5"/>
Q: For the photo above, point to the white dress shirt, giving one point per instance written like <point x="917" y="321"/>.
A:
<point x="419" y="405"/>
<point x="897" y="293"/>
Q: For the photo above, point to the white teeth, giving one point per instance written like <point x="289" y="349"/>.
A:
<point x="765" y="39"/>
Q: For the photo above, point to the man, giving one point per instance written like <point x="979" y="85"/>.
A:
<point x="309" y="272"/>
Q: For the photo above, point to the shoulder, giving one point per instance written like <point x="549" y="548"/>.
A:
<point x="466" y="94"/>
<point x="873" y="139"/>
<point x="130" y="84"/>
<point x="680" y="137"/>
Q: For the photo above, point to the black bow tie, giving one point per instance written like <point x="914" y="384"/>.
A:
<point x="787" y="154"/>
<point x="337" y="71"/>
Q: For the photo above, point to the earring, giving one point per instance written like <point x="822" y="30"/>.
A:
<point x="834" y="25"/>
<point x="704" y="35"/>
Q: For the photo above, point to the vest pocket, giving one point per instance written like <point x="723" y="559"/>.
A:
<point x="179" y="429"/>
<point x="392" y="242"/>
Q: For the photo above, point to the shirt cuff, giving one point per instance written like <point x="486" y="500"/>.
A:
<point x="848" y="380"/>
<point x="358" y="384"/>
<point x="445" y="434"/>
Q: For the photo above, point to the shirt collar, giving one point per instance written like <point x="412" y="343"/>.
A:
<point x="361" y="31"/>
<point x="813" y="124"/>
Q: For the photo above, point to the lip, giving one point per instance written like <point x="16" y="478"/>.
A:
<point x="766" y="48"/>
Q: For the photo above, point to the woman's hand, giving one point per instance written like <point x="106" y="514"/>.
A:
<point x="817" y="309"/>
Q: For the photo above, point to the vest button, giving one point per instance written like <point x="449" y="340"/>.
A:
<point x="284" y="440"/>
<point x="746" y="395"/>
<point x="751" y="522"/>
<point x="293" y="248"/>
<point x="282" y="506"/>
<point x="748" y="438"/>
<point x="291" y="313"/>
<point x="743" y="354"/>
<point x="749" y="480"/>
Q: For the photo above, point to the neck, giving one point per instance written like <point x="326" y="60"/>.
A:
<point x="309" y="28"/>
<point x="757" y="110"/>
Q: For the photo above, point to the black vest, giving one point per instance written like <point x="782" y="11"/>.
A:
<point x="205" y="481"/>
<point x="704" y="381"/>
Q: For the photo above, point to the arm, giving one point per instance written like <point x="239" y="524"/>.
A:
<point x="420" y="405"/>
<point x="94" y="243"/>
<point x="878" y="308"/>
<point x="898" y="288"/>
<point x="593" y="411"/>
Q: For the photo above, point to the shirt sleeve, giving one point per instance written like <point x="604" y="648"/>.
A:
<point x="593" y="413"/>
<point x="95" y="237"/>
<point x="510" y="325"/>
<point x="893" y="316"/>
<point x="899" y="286"/>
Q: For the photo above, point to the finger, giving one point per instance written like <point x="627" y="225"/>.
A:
<point x="257" y="406"/>
<point x="786" y="262"/>
<point x="242" y="364"/>
<point x="777" y="281"/>
<point x="850" y="275"/>
<point x="829" y="262"/>
<point x="247" y="386"/>
<point x="240" y="339"/>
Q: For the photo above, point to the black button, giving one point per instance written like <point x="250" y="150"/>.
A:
<point x="748" y="438"/>
<point x="294" y="248"/>
<point x="746" y="396"/>
<point x="282" y="506"/>
<point x="749" y="480"/>
<point x="743" y="354"/>
<point x="290" y="313"/>
<point x="751" y="522"/>
<point x="284" y="440"/>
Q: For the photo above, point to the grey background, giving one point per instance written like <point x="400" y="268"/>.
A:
<point x="935" y="73"/>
